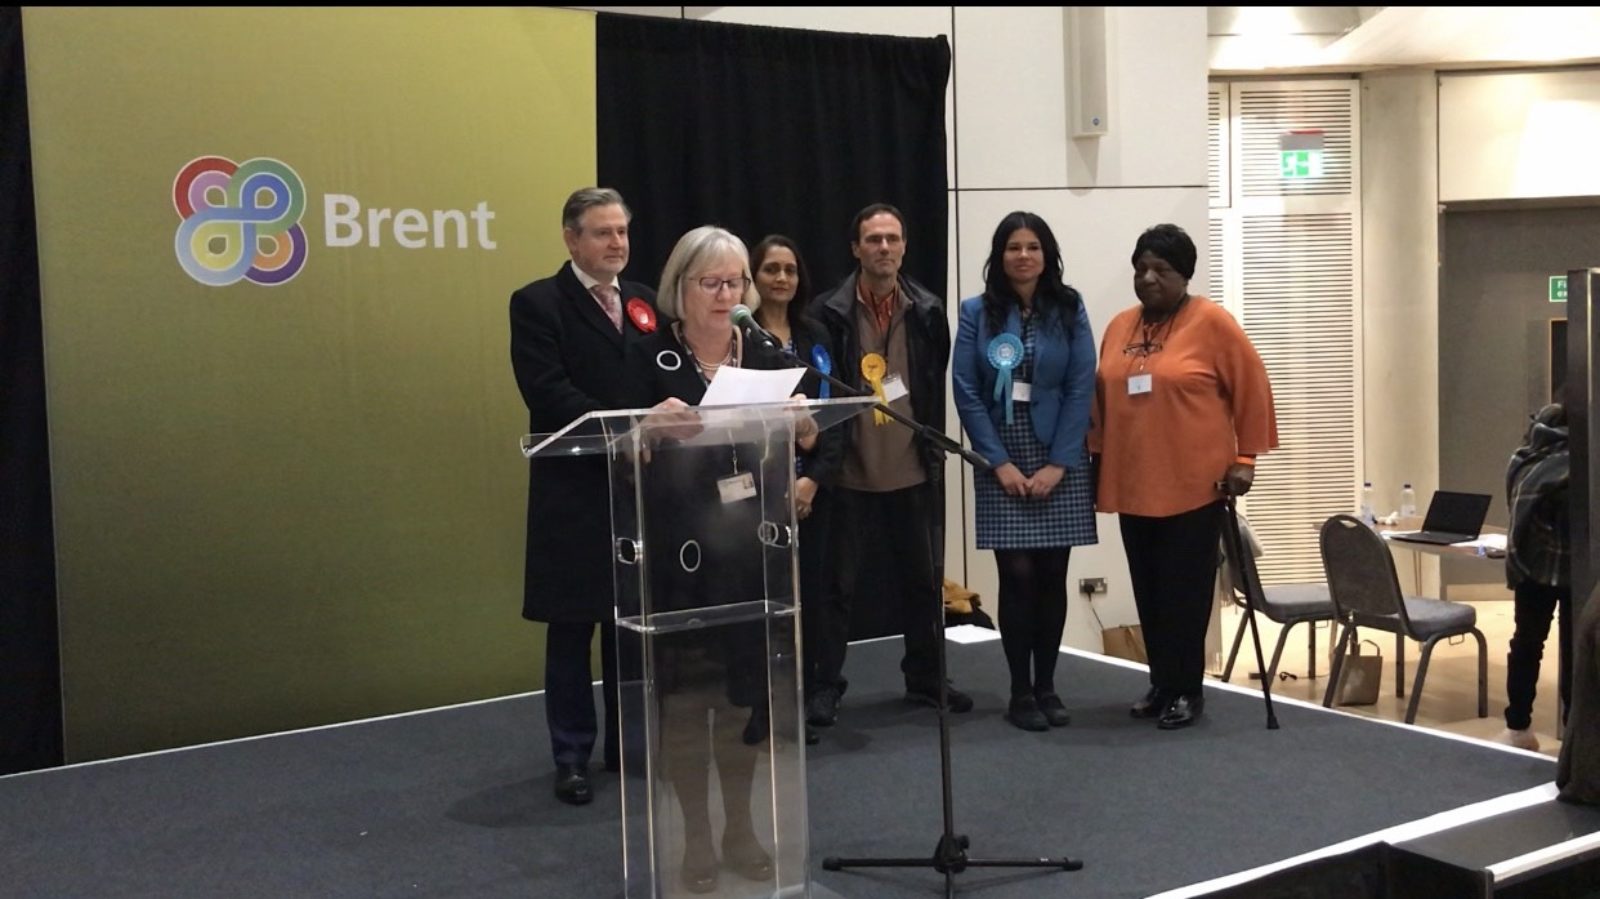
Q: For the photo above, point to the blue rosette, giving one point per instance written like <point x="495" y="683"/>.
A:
<point x="1005" y="354"/>
<point x="821" y="361"/>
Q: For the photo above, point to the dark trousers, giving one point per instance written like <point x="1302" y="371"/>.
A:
<point x="1536" y="604"/>
<point x="816" y="570"/>
<point x="1173" y="564"/>
<point x="892" y="532"/>
<point x="1033" y="612"/>
<point x="569" y="691"/>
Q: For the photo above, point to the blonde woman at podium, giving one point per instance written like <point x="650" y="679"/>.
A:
<point x="702" y="507"/>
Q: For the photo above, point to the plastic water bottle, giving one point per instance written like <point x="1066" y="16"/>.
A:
<point x="1408" y="502"/>
<point x="1368" y="516"/>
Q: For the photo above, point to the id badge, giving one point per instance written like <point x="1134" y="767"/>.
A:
<point x="1021" y="392"/>
<point x="1138" y="384"/>
<point x="738" y="487"/>
<point x="894" y="388"/>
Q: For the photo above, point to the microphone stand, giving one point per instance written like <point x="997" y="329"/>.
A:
<point x="935" y="437"/>
<point x="1233" y="544"/>
<point x="950" y="853"/>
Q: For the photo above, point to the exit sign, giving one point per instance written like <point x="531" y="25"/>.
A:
<point x="1300" y="163"/>
<point x="1558" y="288"/>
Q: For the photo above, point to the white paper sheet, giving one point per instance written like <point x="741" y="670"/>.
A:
<point x="742" y="386"/>
<point x="1487" y="541"/>
<point x="970" y="633"/>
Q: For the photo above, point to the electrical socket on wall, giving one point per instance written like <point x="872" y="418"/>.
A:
<point x="1089" y="586"/>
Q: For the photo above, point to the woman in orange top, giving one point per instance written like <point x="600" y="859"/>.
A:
<point x="1181" y="403"/>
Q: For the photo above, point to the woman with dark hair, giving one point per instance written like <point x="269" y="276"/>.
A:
<point x="1024" y="379"/>
<point x="784" y="287"/>
<point x="1182" y="407"/>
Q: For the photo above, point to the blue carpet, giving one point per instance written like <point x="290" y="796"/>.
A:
<point x="456" y="803"/>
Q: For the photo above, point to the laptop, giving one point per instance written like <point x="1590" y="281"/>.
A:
<point x="1452" y="518"/>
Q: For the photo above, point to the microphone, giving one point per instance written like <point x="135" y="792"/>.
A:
<point x="745" y="321"/>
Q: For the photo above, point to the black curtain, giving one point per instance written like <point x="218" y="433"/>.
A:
<point x="30" y="680"/>
<point x="775" y="130"/>
<point x="764" y="130"/>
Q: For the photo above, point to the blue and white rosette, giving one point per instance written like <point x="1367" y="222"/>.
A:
<point x="1005" y="354"/>
<point x="821" y="361"/>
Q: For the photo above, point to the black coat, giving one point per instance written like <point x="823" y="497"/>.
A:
<point x="705" y="552"/>
<point x="927" y="342"/>
<point x="567" y="357"/>
<point x="682" y="501"/>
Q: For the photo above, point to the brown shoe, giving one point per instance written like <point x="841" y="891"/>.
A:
<point x="699" y="873"/>
<point x="744" y="856"/>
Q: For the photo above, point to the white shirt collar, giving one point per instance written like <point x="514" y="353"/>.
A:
<point x="589" y="281"/>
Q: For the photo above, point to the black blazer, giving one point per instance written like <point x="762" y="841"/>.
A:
<point x="568" y="361"/>
<point x="683" y="503"/>
<point x="704" y="552"/>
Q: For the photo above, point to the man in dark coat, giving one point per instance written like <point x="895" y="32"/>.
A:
<point x="1538" y="567"/>
<point x="891" y="338"/>
<point x="568" y="335"/>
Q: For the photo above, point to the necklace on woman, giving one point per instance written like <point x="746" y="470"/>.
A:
<point x="710" y="368"/>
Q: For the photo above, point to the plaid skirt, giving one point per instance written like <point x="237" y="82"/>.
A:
<point x="1008" y="522"/>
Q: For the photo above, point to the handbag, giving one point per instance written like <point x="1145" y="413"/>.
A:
<point x="1361" y="677"/>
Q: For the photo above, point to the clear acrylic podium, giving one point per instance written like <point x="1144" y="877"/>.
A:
<point x="704" y="539"/>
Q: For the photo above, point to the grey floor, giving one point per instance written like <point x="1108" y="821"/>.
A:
<point x="456" y="803"/>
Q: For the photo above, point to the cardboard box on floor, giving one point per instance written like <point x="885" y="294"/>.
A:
<point x="1125" y="642"/>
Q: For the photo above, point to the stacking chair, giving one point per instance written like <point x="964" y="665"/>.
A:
<point x="1366" y="593"/>
<point x="1284" y="604"/>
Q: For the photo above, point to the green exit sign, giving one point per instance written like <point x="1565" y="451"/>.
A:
<point x="1300" y="163"/>
<point x="1558" y="288"/>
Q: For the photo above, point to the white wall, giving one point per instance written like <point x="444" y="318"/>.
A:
<point x="1517" y="135"/>
<point x="1010" y="149"/>
<point x="1400" y="289"/>
<point x="1440" y="138"/>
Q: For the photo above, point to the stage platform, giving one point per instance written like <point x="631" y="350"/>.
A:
<point x="456" y="802"/>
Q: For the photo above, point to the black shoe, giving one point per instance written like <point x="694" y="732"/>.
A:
<point x="572" y="784"/>
<point x="1024" y="713"/>
<point x="955" y="700"/>
<point x="755" y="730"/>
<point x="822" y="709"/>
<point x="1054" y="711"/>
<point x="1151" y="706"/>
<point x="1183" y="711"/>
<point x="812" y="738"/>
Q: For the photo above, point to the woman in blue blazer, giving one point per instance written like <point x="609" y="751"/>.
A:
<point x="1024" y="372"/>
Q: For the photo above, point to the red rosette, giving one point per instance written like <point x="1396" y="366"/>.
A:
<point x="644" y="317"/>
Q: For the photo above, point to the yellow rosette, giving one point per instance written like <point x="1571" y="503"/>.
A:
<point x="873" y="368"/>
